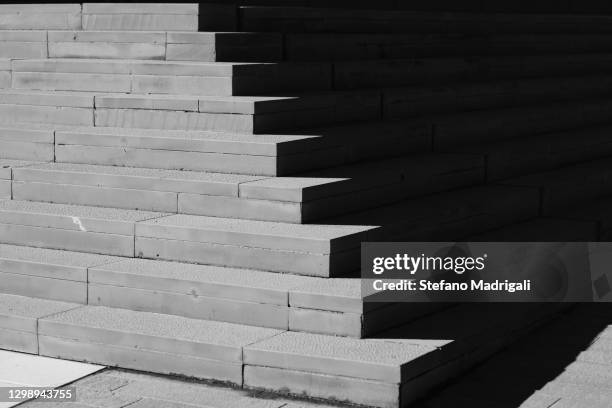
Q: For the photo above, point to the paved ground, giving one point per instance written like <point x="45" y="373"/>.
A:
<point x="26" y="370"/>
<point x="113" y="388"/>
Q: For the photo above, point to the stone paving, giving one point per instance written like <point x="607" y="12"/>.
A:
<point x="116" y="388"/>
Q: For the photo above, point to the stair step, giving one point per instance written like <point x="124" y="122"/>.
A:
<point x="492" y="126"/>
<point x="224" y="46"/>
<point x="106" y="44"/>
<point x="315" y="250"/>
<point x="568" y="186"/>
<point x="289" y="302"/>
<point x="242" y="296"/>
<point x="46" y="108"/>
<point x="6" y="175"/>
<point x="286" y="199"/>
<point x="372" y="46"/>
<point x="19" y="321"/>
<point x="399" y="103"/>
<point x="120" y="187"/>
<point x="150" y="342"/>
<point x="239" y="114"/>
<point x="451" y="215"/>
<point x="140" y="17"/>
<point x="27" y="143"/>
<point x="271" y="155"/>
<point x="168" y="77"/>
<point x="105" y="231"/>
<point x="382" y="371"/>
<point x="148" y="45"/>
<point x="23" y="44"/>
<point x="390" y="371"/>
<point x="538" y="153"/>
<point x="47" y="273"/>
<point x="439" y="71"/>
<point x="267" y="155"/>
<point x="330" y="20"/>
<point x="40" y="16"/>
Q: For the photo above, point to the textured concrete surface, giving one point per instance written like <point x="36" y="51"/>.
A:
<point x="303" y="238"/>
<point x="162" y="326"/>
<point x="381" y="360"/>
<point x="120" y="388"/>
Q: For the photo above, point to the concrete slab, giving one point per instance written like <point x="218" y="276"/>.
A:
<point x="47" y="274"/>
<point x="338" y="295"/>
<point x="200" y="280"/>
<point x="224" y="46"/>
<point x="69" y="227"/>
<point x="381" y="360"/>
<point x="23" y="44"/>
<point x="27" y="144"/>
<point x="334" y="388"/>
<point x="19" y="318"/>
<point x="156" y="17"/>
<point x="40" y="17"/>
<point x="322" y="239"/>
<point x="156" y="332"/>
<point x="37" y="371"/>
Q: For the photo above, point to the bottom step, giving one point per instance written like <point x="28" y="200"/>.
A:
<point x="389" y="371"/>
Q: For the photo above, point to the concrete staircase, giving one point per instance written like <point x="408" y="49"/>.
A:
<point x="193" y="203"/>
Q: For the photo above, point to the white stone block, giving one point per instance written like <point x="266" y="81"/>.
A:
<point x="189" y="305"/>
<point x="231" y="207"/>
<point x="61" y="81"/>
<point x="173" y="120"/>
<point x="139" y="22"/>
<point x="40" y="17"/>
<point x="43" y="288"/>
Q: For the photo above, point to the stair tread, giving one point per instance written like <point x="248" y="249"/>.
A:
<point x="7" y="164"/>
<point x="134" y="66"/>
<point x="54" y="257"/>
<point x="191" y="135"/>
<point x="12" y="305"/>
<point x="247" y="278"/>
<point x="79" y="211"/>
<point x="160" y="325"/>
<point x="251" y="227"/>
<point x="178" y="175"/>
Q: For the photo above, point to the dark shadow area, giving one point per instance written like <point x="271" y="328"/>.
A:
<point x="558" y="361"/>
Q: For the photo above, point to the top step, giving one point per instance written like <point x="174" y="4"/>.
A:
<point x="100" y="16"/>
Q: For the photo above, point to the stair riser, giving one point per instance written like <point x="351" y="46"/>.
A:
<point x="347" y="46"/>
<point x="56" y="115"/>
<point x="142" y="360"/>
<point x="188" y="305"/>
<point x="42" y="152"/>
<point x="127" y="193"/>
<point x="43" y="287"/>
<point x="322" y="265"/>
<point x="99" y="243"/>
<point x="167" y="159"/>
<point x="5" y="189"/>
<point x="176" y="85"/>
<point x="171" y="46"/>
